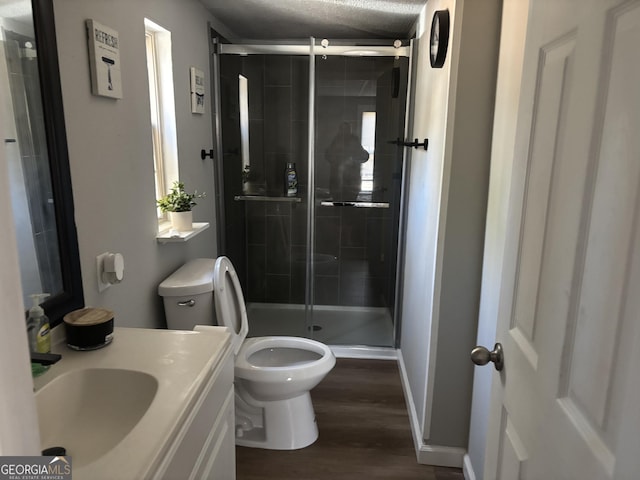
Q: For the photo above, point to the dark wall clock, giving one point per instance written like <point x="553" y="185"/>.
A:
<point x="439" y="40"/>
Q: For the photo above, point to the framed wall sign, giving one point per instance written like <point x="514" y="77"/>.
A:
<point x="439" y="39"/>
<point x="104" y="60"/>
<point x="197" y="90"/>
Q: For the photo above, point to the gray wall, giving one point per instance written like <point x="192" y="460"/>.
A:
<point x="111" y="152"/>
<point x="428" y="115"/>
<point x="446" y="216"/>
<point x="465" y="221"/>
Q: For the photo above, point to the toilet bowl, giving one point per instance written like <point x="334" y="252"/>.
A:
<point x="273" y="375"/>
<point x="273" y="378"/>
<point x="282" y="367"/>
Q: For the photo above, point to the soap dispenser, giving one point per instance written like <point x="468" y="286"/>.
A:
<point x="38" y="332"/>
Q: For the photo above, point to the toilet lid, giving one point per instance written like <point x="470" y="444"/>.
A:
<point x="229" y="301"/>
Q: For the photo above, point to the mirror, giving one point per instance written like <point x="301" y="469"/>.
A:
<point x="36" y="151"/>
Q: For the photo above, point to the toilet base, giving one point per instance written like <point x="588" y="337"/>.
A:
<point x="275" y="425"/>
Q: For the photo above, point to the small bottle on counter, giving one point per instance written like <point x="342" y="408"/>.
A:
<point x="290" y="180"/>
<point x="38" y="332"/>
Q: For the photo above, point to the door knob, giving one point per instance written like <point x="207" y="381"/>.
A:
<point x="482" y="356"/>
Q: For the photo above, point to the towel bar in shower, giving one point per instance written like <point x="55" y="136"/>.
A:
<point x="356" y="204"/>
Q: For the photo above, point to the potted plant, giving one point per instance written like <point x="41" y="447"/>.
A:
<point x="178" y="204"/>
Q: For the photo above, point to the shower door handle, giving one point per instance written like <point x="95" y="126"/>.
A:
<point x="356" y="204"/>
<point x="338" y="204"/>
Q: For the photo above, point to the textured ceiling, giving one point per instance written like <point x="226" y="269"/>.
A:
<point x="300" y="19"/>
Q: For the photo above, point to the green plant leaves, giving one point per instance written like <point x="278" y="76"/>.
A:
<point x="177" y="200"/>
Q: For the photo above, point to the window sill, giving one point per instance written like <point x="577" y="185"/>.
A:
<point x="169" y="235"/>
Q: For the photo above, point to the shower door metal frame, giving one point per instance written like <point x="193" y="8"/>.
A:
<point x="404" y="194"/>
<point x="311" y="194"/>
<point x="348" y="49"/>
<point x="216" y="114"/>
<point x="339" y="50"/>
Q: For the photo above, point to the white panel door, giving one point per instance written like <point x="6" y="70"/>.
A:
<point x="565" y="405"/>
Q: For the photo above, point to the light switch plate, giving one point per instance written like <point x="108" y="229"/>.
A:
<point x="102" y="286"/>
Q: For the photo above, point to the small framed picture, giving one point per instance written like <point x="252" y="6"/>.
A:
<point x="104" y="59"/>
<point x="197" y="90"/>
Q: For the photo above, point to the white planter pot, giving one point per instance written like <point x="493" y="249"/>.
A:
<point x="181" y="221"/>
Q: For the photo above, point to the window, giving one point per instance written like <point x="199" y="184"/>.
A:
<point x="368" y="142"/>
<point x="162" y="108"/>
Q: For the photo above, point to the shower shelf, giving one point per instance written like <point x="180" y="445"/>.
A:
<point x="262" y="198"/>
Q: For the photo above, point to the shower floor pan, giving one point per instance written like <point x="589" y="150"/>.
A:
<point x="333" y="325"/>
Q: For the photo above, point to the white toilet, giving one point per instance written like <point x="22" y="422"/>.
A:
<point x="273" y="375"/>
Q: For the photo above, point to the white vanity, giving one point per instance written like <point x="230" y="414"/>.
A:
<point x="155" y="404"/>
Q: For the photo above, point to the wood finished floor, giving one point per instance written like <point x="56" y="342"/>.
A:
<point x="364" y="433"/>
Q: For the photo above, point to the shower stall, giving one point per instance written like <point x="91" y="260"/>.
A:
<point x="320" y="262"/>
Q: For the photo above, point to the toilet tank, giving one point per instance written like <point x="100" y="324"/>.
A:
<point x="188" y="295"/>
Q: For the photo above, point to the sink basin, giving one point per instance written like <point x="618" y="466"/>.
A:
<point x="89" y="411"/>
<point x="123" y="407"/>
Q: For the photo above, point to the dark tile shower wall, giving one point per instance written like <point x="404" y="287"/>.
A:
<point x="235" y="218"/>
<point x="278" y="116"/>
<point x="354" y="259"/>
<point x="24" y="84"/>
<point x="276" y="251"/>
<point x="262" y="238"/>
<point x="356" y="238"/>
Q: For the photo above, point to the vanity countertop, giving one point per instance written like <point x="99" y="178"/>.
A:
<point x="181" y="361"/>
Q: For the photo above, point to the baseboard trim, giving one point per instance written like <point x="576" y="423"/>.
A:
<point x="416" y="429"/>
<point x="426" y="454"/>
<point x="441" y="456"/>
<point x="357" y="351"/>
<point x="467" y="468"/>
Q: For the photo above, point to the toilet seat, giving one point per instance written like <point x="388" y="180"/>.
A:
<point x="229" y="301"/>
<point x="281" y="359"/>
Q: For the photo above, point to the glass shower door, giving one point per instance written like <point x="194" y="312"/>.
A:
<point x="264" y="120"/>
<point x="359" y="110"/>
<point x="320" y="263"/>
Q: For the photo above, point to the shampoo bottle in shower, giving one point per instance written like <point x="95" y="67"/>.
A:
<point x="290" y="180"/>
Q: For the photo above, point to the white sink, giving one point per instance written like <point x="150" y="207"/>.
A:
<point x="90" y="411"/>
<point x="122" y="406"/>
